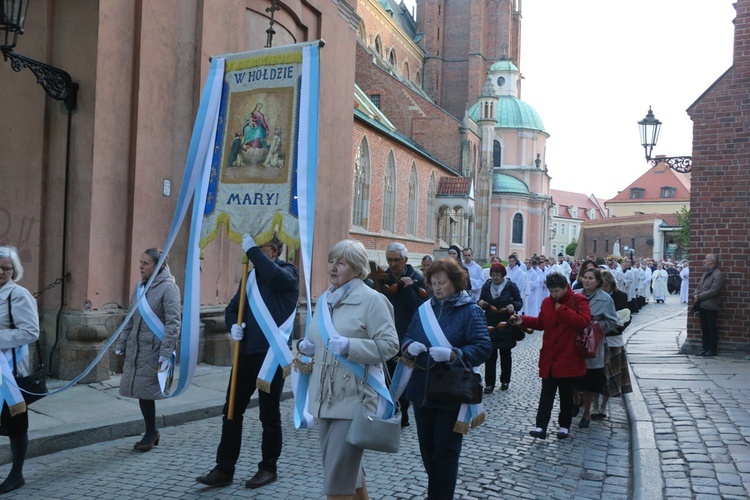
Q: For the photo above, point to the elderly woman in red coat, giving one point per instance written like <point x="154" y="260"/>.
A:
<point x="562" y="316"/>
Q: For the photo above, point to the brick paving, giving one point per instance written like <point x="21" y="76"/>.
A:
<point x="698" y="425"/>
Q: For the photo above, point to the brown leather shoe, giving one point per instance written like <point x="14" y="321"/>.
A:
<point x="261" y="478"/>
<point x="215" y="478"/>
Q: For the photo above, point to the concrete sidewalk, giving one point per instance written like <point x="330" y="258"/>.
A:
<point x="689" y="416"/>
<point x="91" y="413"/>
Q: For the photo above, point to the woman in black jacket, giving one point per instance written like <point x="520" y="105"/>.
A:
<point x="499" y="298"/>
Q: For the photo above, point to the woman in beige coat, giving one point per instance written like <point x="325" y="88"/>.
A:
<point x="363" y="320"/>
<point x="145" y="354"/>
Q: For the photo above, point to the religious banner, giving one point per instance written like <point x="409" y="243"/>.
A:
<point x="253" y="186"/>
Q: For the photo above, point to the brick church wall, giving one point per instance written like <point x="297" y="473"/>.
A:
<point x="720" y="188"/>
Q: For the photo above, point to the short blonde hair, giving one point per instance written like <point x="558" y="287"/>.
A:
<point x="354" y="253"/>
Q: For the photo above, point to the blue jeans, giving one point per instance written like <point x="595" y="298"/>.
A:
<point x="440" y="448"/>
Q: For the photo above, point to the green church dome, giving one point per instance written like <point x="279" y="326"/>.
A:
<point x="503" y="65"/>
<point x="512" y="112"/>
<point x="504" y="183"/>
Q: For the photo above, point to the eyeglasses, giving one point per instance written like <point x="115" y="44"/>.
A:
<point x="7" y="269"/>
<point x="394" y="260"/>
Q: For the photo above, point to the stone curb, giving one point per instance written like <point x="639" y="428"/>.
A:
<point x="647" y="480"/>
<point x="74" y="436"/>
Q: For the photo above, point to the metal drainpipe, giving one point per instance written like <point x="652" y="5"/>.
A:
<point x="58" y="322"/>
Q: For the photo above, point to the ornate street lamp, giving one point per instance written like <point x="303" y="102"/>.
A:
<point x="649" y="128"/>
<point x="57" y="83"/>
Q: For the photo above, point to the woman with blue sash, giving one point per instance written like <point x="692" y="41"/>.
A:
<point x="19" y="326"/>
<point x="148" y="341"/>
<point x="449" y="328"/>
<point x="352" y="331"/>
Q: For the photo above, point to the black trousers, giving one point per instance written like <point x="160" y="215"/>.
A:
<point x="710" y="330"/>
<point x="228" y="452"/>
<point x="550" y="386"/>
<point x="490" y="367"/>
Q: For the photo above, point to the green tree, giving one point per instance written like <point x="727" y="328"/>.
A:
<point x="571" y="248"/>
<point x="682" y="235"/>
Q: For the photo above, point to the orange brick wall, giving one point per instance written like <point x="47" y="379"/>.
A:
<point x="720" y="188"/>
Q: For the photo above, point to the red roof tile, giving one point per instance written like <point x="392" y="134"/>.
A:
<point x="567" y="199"/>
<point x="652" y="181"/>
<point x="449" y="186"/>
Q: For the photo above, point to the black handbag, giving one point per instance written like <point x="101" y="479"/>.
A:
<point x="36" y="382"/>
<point x="453" y="383"/>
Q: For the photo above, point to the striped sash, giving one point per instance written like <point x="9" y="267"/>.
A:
<point x="375" y="378"/>
<point x="157" y="327"/>
<point x="8" y="388"/>
<point x="278" y="353"/>
<point x="469" y="416"/>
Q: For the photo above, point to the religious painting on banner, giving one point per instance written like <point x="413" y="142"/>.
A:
<point x="254" y="181"/>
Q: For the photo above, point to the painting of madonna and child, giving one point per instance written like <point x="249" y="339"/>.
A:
<point x="257" y="138"/>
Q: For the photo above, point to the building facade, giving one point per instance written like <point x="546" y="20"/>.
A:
<point x="569" y="211"/>
<point x="720" y="194"/>
<point x="486" y="154"/>
<point x="141" y="66"/>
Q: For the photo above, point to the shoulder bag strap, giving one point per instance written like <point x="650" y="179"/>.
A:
<point x="13" y="349"/>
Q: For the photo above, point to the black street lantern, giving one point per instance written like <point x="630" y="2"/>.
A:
<point x="12" y="19"/>
<point x="56" y="83"/>
<point x="649" y="128"/>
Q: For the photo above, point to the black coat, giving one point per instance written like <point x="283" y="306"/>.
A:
<point x="278" y="282"/>
<point x="406" y="300"/>
<point x="501" y="338"/>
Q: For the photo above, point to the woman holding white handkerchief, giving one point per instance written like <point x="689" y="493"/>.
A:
<point x="449" y="328"/>
<point x="352" y="330"/>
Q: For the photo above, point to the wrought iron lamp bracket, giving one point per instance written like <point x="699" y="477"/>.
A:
<point x="56" y="83"/>
<point x="681" y="164"/>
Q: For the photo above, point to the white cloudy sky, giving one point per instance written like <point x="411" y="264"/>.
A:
<point x="592" y="67"/>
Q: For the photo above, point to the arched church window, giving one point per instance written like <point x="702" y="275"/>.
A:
<point x="517" y="236"/>
<point x="389" y="195"/>
<point x="431" y="219"/>
<point x="378" y="46"/>
<point x="411" y="224"/>
<point x="392" y="57"/>
<point x="361" y="201"/>
<point x="407" y="74"/>
<point x="497" y="154"/>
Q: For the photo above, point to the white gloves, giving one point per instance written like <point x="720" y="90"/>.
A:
<point x="163" y="363"/>
<point x="306" y="347"/>
<point x="415" y="348"/>
<point x="248" y="242"/>
<point x="118" y="352"/>
<point x="238" y="331"/>
<point x="440" y="353"/>
<point x="339" y="345"/>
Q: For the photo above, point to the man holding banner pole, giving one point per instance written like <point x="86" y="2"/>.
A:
<point x="268" y="314"/>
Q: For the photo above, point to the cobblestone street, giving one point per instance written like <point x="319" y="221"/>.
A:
<point x="499" y="459"/>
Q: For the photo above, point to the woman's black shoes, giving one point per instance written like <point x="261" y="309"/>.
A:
<point x="562" y="433"/>
<point x="541" y="434"/>
<point x="584" y="423"/>
<point x="11" y="484"/>
<point x="598" y="416"/>
<point x="503" y="387"/>
<point x="488" y="389"/>
<point x="146" y="444"/>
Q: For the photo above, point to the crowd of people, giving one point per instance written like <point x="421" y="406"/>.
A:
<point x="447" y="314"/>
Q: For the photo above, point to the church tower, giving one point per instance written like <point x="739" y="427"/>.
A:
<point x="462" y="39"/>
<point x="487" y="121"/>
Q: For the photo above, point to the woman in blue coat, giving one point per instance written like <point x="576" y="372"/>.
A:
<point x="464" y="340"/>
